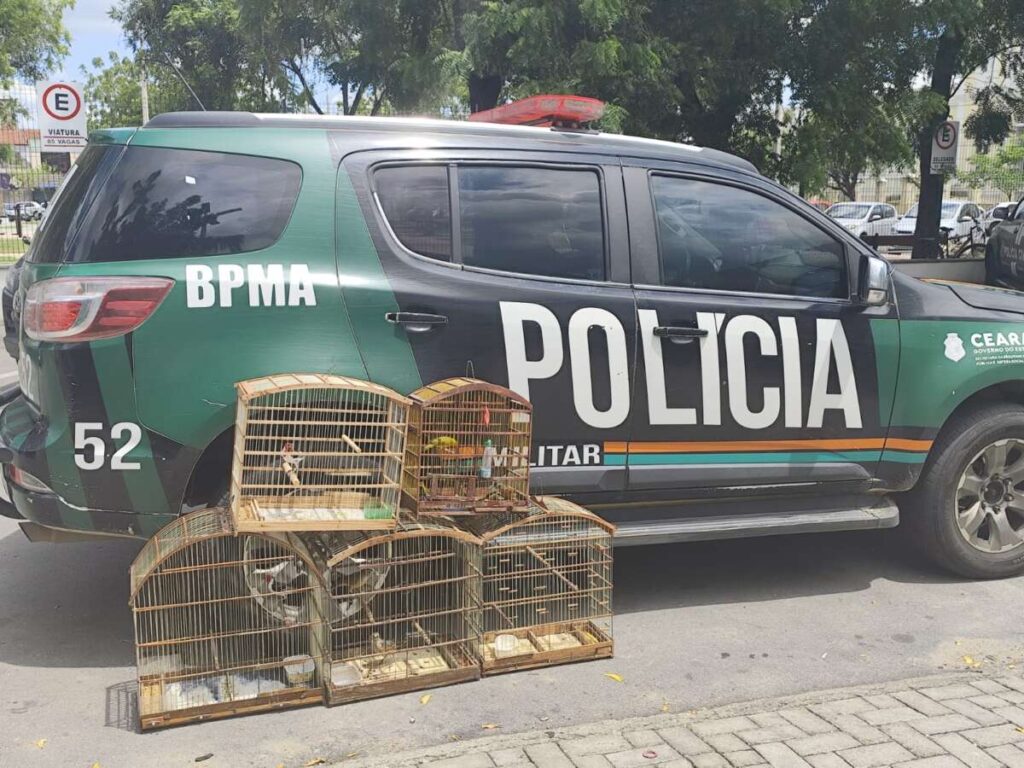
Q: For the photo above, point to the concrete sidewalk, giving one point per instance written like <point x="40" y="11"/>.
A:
<point x="973" y="719"/>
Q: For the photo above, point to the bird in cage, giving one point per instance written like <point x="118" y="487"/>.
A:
<point x="290" y="463"/>
<point x="445" y="444"/>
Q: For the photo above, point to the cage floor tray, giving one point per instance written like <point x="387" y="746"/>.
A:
<point x="176" y="702"/>
<point x="400" y="671"/>
<point x="309" y="513"/>
<point x="543" y="645"/>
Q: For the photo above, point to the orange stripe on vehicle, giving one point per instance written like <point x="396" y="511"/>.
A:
<point x="903" y="444"/>
<point x="899" y="444"/>
<point x="765" y="445"/>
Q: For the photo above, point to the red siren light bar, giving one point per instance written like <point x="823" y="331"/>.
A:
<point x="544" y="111"/>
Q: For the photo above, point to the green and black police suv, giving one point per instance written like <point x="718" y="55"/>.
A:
<point x="707" y="355"/>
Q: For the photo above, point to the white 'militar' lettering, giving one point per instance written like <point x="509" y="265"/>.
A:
<point x="272" y="285"/>
<point x="832" y="352"/>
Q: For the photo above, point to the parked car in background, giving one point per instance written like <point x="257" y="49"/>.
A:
<point x="7" y="303"/>
<point x="995" y="214"/>
<point x="958" y="216"/>
<point x="865" y="218"/>
<point x="1004" y="252"/>
<point x="28" y="209"/>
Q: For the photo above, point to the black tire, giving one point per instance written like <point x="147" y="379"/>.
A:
<point x="930" y="508"/>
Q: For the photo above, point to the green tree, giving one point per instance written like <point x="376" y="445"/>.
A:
<point x="33" y="39"/>
<point x="957" y="37"/>
<point x="199" y="43"/>
<point x="113" y="91"/>
<point x="1002" y="168"/>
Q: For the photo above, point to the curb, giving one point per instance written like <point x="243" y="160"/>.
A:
<point x="415" y="757"/>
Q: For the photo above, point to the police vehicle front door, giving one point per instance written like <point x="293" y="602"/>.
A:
<point x="511" y="267"/>
<point x="756" y="368"/>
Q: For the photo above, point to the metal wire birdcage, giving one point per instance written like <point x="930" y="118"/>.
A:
<point x="406" y="610"/>
<point x="317" y="452"/>
<point x="224" y="624"/>
<point x="468" y="449"/>
<point x="547" y="586"/>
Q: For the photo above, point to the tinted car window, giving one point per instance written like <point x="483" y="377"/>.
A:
<point x="167" y="203"/>
<point x="536" y="221"/>
<point x="70" y="204"/>
<point x="725" y="238"/>
<point x="415" y="202"/>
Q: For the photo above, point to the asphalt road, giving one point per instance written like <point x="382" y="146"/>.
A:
<point x="696" y="625"/>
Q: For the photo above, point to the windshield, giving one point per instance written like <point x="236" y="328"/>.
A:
<point x="948" y="210"/>
<point x="848" y="211"/>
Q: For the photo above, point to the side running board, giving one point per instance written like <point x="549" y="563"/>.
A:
<point x="882" y="514"/>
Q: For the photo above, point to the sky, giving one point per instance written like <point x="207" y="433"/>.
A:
<point x="93" y="33"/>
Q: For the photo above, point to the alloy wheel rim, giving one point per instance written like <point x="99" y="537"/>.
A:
<point x="989" y="505"/>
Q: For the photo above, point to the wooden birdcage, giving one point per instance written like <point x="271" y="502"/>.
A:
<point x="224" y="624"/>
<point x="468" y="449"/>
<point x="547" y="586"/>
<point x="406" y="610"/>
<point x="315" y="452"/>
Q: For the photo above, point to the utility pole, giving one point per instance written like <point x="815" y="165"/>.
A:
<point x="144" y="86"/>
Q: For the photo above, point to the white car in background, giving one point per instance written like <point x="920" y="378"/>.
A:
<point x="864" y="218"/>
<point x="957" y="216"/>
<point x="997" y="213"/>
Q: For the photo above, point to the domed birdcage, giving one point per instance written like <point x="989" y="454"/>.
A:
<point x="468" y="449"/>
<point x="224" y="624"/>
<point x="407" y="610"/>
<point x="547" y="586"/>
<point x="315" y="452"/>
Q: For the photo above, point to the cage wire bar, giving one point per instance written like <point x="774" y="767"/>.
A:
<point x="406" y="610"/>
<point x="468" y="449"/>
<point x="213" y="638"/>
<point x="547" y="586"/>
<point x="317" y="452"/>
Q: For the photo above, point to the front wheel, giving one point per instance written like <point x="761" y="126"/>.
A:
<point x="967" y="510"/>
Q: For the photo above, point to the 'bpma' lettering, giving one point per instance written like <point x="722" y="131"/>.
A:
<point x="270" y="285"/>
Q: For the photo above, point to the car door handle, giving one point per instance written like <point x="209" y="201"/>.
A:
<point x="416" y="322"/>
<point x="680" y="333"/>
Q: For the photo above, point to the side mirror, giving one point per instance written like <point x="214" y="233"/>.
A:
<point x="873" y="285"/>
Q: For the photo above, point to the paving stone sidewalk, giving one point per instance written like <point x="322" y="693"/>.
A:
<point x="948" y="721"/>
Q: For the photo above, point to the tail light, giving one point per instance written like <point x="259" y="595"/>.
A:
<point x="71" y="309"/>
<point x="27" y="481"/>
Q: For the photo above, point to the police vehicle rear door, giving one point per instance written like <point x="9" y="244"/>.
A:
<point x="756" y="367"/>
<point x="509" y="266"/>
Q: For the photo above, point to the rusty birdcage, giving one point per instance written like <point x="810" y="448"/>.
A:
<point x="406" y="610"/>
<point x="468" y="449"/>
<point x="316" y="452"/>
<point x="547" y="586"/>
<point x="224" y="624"/>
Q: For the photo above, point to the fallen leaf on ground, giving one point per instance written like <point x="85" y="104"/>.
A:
<point x="96" y="765"/>
<point x="41" y="743"/>
<point x="424" y="698"/>
<point x="1021" y="730"/>
<point x="970" y="662"/>
<point x="664" y="706"/>
<point x="650" y="754"/>
<point x="614" y="676"/>
<point x="204" y="758"/>
<point x="490" y="726"/>
<point x="314" y="761"/>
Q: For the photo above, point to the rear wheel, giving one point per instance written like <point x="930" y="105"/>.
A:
<point x="967" y="510"/>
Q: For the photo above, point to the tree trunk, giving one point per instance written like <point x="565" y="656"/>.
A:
<point x="484" y="91"/>
<point x="929" y="204"/>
